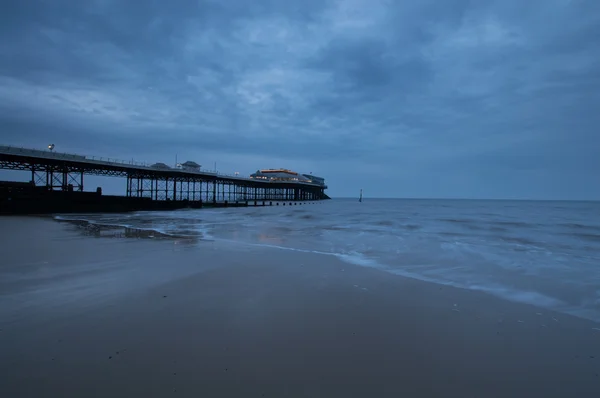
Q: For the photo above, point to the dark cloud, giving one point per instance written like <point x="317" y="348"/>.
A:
<point x="458" y="98"/>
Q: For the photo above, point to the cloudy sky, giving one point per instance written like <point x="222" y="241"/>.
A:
<point x="411" y="98"/>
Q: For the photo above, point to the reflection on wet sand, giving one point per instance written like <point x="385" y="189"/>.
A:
<point x="111" y="231"/>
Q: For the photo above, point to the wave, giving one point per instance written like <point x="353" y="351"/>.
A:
<point x="456" y="221"/>
<point x="456" y="234"/>
<point x="519" y="224"/>
<point x="281" y="229"/>
<point x="338" y="228"/>
<point x="358" y="259"/>
<point x="143" y="232"/>
<point x="467" y="223"/>
<point x="591" y="228"/>
<point x="504" y="292"/>
<point x="521" y="296"/>
<point x="589" y="237"/>
<point x="519" y="240"/>
<point x="386" y="223"/>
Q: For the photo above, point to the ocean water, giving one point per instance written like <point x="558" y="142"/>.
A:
<point x="544" y="253"/>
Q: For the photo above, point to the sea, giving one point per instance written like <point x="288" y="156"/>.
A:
<point x="545" y="253"/>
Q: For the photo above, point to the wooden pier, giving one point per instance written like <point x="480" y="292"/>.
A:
<point x="57" y="181"/>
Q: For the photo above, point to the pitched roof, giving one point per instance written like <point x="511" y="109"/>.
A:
<point x="160" y="166"/>
<point x="190" y="163"/>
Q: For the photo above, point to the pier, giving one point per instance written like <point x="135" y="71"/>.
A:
<point x="57" y="182"/>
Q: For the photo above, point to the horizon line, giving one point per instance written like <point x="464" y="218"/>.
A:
<point x="488" y="199"/>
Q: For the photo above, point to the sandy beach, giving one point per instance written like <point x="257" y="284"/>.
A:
<point x="90" y="313"/>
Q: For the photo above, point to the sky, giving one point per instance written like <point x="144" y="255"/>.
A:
<point x="412" y="98"/>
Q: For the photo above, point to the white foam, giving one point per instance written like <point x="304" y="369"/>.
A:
<point x="294" y="249"/>
<point x="527" y="297"/>
<point x="358" y="259"/>
<point x="520" y="296"/>
<point x="63" y="218"/>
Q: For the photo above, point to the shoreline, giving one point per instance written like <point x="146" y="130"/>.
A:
<point x="533" y="298"/>
<point x="120" y="317"/>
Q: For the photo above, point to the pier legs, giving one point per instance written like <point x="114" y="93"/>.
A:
<point x="57" y="178"/>
<point x="196" y="190"/>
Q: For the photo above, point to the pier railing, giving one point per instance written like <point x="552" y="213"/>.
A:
<point x="66" y="156"/>
<point x="8" y="149"/>
<point x="105" y="160"/>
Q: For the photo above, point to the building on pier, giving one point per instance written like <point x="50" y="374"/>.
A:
<point x="279" y="175"/>
<point x="314" y="179"/>
<point x="189" y="165"/>
<point x="160" y="166"/>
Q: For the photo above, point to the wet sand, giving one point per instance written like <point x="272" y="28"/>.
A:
<point x="98" y="314"/>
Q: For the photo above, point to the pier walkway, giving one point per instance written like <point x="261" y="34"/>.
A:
<point x="65" y="172"/>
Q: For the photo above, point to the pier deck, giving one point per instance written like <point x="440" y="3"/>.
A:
<point x="52" y="172"/>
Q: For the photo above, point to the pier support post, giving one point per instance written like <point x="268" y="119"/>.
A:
<point x="65" y="177"/>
